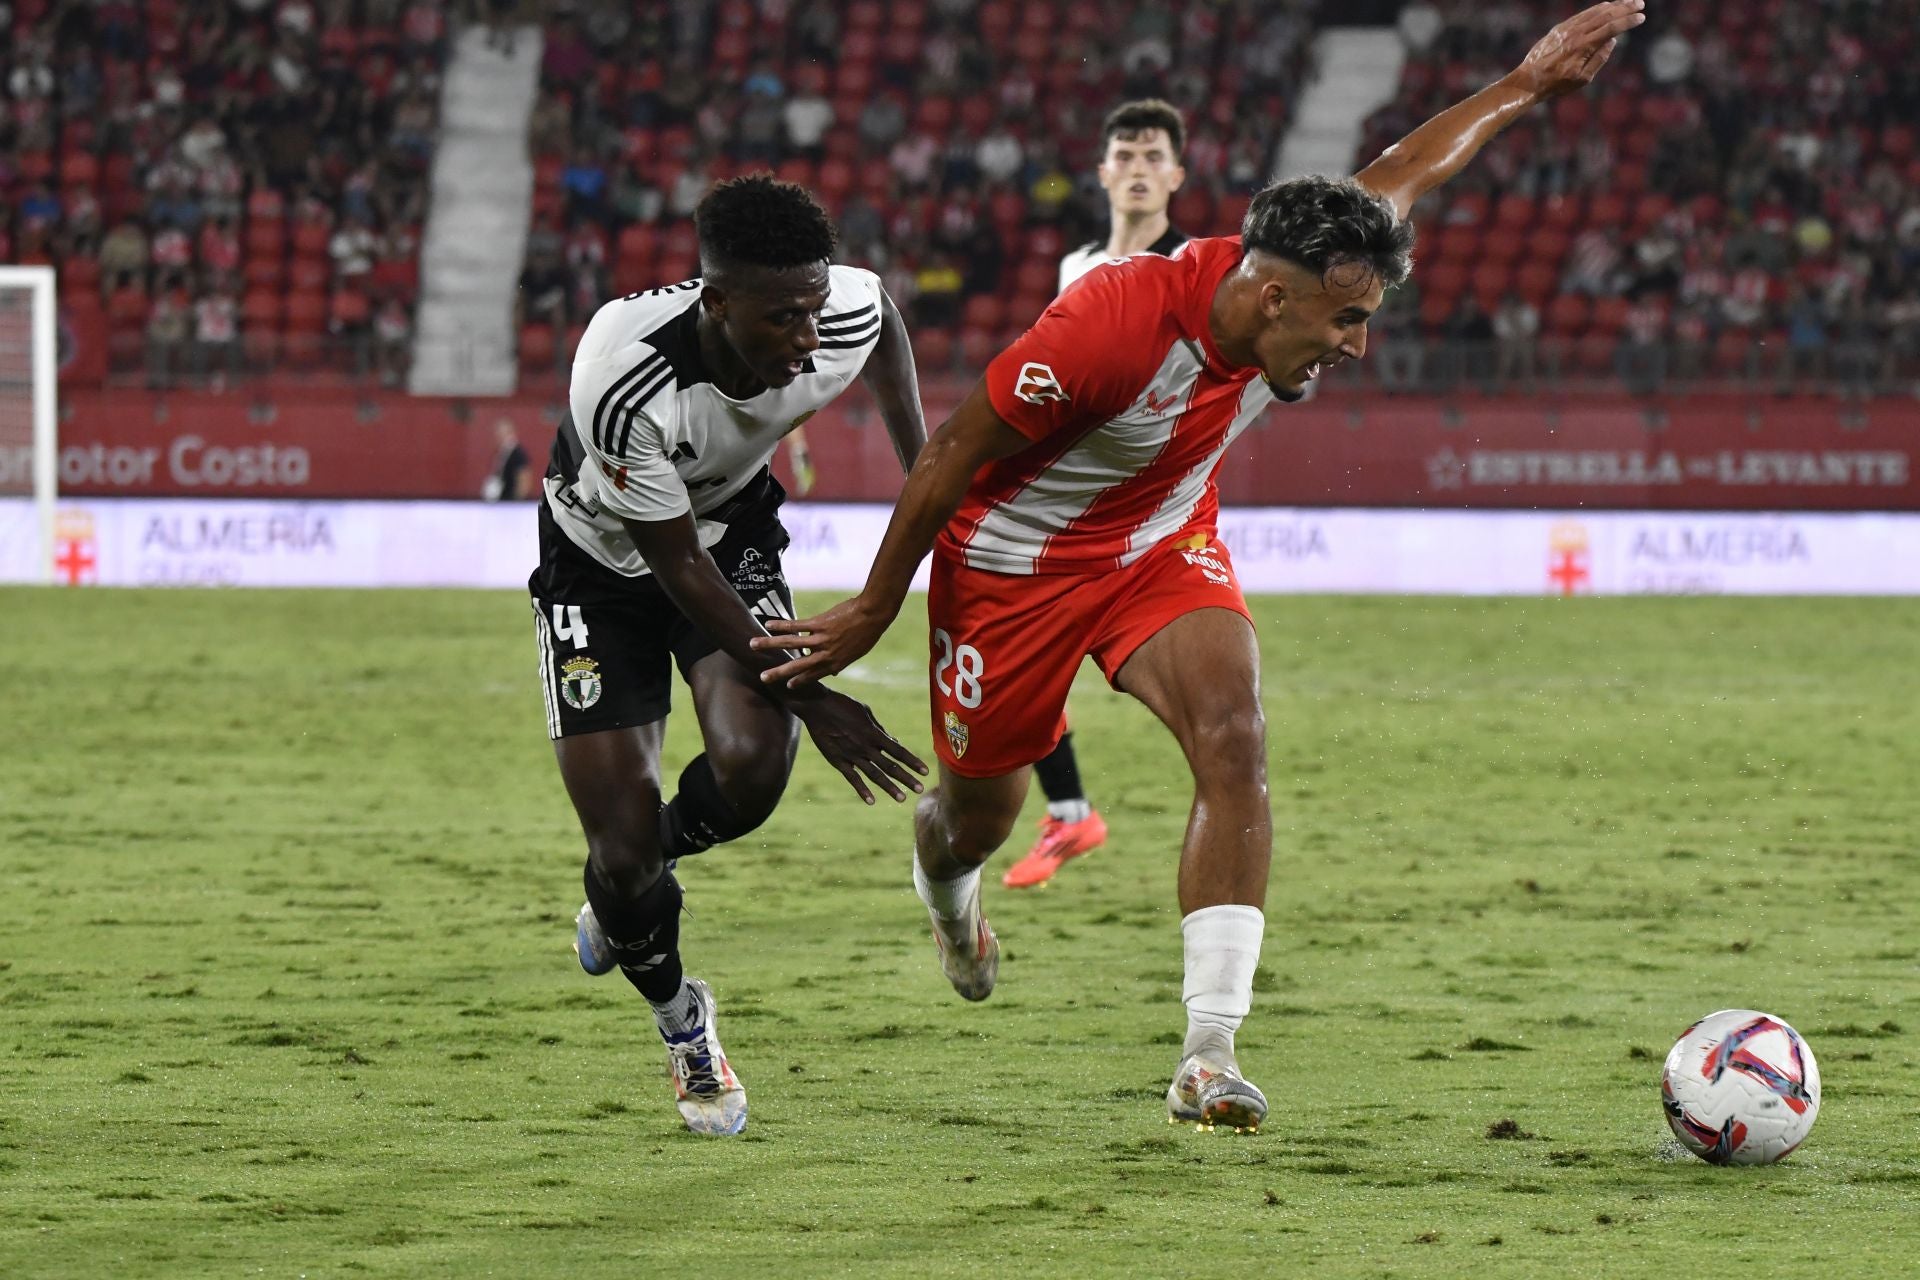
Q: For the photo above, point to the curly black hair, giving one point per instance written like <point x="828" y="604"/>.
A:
<point x="759" y="221"/>
<point x="1323" y="223"/>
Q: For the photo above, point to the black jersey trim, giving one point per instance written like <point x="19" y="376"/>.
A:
<point x="636" y="403"/>
<point x="847" y="319"/>
<point x="653" y="362"/>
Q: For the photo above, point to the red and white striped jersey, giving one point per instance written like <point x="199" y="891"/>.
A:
<point x="1130" y="408"/>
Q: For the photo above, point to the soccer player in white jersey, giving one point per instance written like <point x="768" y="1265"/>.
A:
<point x="1073" y="501"/>
<point x="1141" y="144"/>
<point x="660" y="542"/>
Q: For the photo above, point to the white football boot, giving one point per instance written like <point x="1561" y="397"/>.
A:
<point x="971" y="969"/>
<point x="1210" y="1093"/>
<point x="711" y="1098"/>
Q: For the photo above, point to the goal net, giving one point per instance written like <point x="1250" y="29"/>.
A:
<point x="29" y="457"/>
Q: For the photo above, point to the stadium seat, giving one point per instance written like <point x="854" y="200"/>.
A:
<point x="1567" y="314"/>
<point x="983" y="311"/>
<point x="536" y="347"/>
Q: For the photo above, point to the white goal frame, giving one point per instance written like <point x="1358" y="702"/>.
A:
<point x="39" y="282"/>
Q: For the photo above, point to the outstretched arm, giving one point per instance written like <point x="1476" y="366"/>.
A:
<point x="895" y="383"/>
<point x="844" y="730"/>
<point x="1567" y="57"/>
<point x="974" y="436"/>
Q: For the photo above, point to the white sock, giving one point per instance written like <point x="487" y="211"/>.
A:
<point x="1070" y="810"/>
<point x="680" y="1014"/>
<point x="1223" y="950"/>
<point x="952" y="902"/>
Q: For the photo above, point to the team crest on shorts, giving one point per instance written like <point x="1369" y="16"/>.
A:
<point x="957" y="735"/>
<point x="580" y="682"/>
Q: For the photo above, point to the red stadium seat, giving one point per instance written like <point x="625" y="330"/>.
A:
<point x="263" y="273"/>
<point x="1548" y="244"/>
<point x="1562" y="212"/>
<point x="260" y="309"/>
<point x="1503" y="246"/>
<point x="1536" y="282"/>
<point x="983" y="311"/>
<point x="1514" y="212"/>
<point x="1608" y="209"/>
<point x="1567" y="314"/>
<point x="1609" y="315"/>
<point x="309" y="273"/>
<point x="1489" y="281"/>
<point x="933" y="350"/>
<point x="1446" y="278"/>
<point x="536" y="347"/>
<point x="1036" y="275"/>
<point x="1458" y="243"/>
<point x="977" y="347"/>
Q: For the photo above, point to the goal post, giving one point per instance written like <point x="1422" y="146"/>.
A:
<point x="29" y="423"/>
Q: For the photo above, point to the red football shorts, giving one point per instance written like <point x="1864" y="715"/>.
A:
<point x="1006" y="646"/>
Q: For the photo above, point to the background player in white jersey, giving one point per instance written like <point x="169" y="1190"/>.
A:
<point x="660" y="542"/>
<point x="1140" y="148"/>
<point x="1072" y="497"/>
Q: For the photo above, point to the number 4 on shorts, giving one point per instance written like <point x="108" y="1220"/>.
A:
<point x="569" y="625"/>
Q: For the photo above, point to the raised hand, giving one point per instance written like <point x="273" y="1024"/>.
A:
<point x="853" y="742"/>
<point x="1571" y="55"/>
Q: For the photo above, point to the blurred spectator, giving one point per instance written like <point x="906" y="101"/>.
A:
<point x="168" y="328"/>
<point x="1516" y="330"/>
<point x="937" y="287"/>
<point x="1641" y="358"/>
<point x="123" y="254"/>
<point x="393" y="334"/>
<point x="216" y="338"/>
<point x="1469" y="335"/>
<point x="512" y="478"/>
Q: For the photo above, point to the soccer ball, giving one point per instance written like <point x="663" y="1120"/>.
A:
<point x="1740" y="1087"/>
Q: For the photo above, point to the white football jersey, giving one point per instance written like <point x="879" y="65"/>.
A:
<point x="1094" y="252"/>
<point x="649" y="437"/>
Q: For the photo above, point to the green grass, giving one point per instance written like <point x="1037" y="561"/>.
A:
<point x="285" y="983"/>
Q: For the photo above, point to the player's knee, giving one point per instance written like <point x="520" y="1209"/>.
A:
<point x="1229" y="748"/>
<point x="627" y="861"/>
<point x="974" y="827"/>
<point x="752" y="774"/>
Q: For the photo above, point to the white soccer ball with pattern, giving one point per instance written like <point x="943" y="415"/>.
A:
<point x="1741" y="1087"/>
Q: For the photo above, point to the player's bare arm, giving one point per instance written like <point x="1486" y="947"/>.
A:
<point x="1566" y="58"/>
<point x="895" y="382"/>
<point x="973" y="437"/>
<point x="843" y="729"/>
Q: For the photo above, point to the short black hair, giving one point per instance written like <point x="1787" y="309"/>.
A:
<point x="1323" y="223"/>
<point x="1131" y="119"/>
<point x="759" y="221"/>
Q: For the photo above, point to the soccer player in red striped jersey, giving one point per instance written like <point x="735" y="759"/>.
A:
<point x="1141" y="143"/>
<point x="1072" y="500"/>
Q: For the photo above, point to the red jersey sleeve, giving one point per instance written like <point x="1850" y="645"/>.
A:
<point x="1081" y="362"/>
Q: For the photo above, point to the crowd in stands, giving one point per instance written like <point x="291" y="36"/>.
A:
<point x="223" y="184"/>
<point x="953" y="140"/>
<point x="242" y="183"/>
<point x="1739" y="197"/>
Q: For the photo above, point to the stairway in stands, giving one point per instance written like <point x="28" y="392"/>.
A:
<point x="1359" y="72"/>
<point x="476" y="232"/>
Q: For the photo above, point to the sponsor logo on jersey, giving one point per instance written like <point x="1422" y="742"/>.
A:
<point x="580" y="682"/>
<point x="1037" y="384"/>
<point x="957" y="734"/>
<point x="616" y="474"/>
<point x="1155" y="405"/>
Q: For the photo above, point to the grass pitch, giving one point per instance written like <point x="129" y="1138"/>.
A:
<point x="286" y="986"/>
